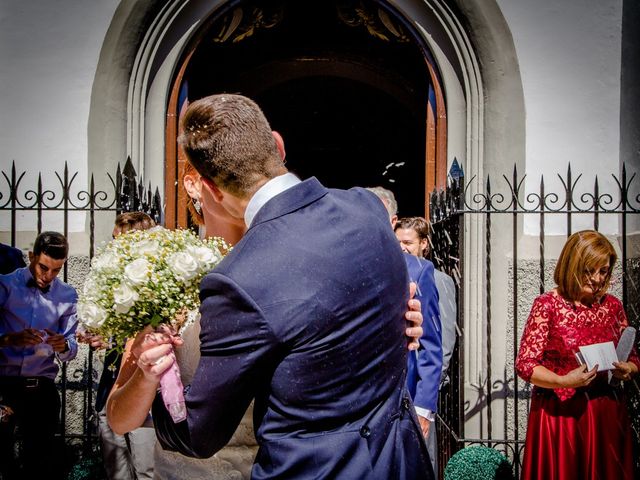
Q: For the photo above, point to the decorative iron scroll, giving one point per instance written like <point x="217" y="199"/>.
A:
<point x="571" y="195"/>
<point x="459" y="197"/>
<point x="128" y="194"/>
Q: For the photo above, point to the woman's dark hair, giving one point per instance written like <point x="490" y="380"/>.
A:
<point x="52" y="244"/>
<point x="132" y="221"/>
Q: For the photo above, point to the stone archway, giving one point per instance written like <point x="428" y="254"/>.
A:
<point x="471" y="46"/>
<point x="351" y="87"/>
<point x="147" y="41"/>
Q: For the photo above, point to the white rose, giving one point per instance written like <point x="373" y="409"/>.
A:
<point x="184" y="265"/>
<point x="104" y="261"/>
<point x="91" y="315"/>
<point x="203" y="255"/>
<point x="147" y="246"/>
<point x="89" y="286"/>
<point x="136" y="271"/>
<point x="124" y="297"/>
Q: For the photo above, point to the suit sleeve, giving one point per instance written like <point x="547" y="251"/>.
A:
<point x="448" y="309"/>
<point x="430" y="352"/>
<point x="236" y="354"/>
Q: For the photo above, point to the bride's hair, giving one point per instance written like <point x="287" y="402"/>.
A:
<point x="196" y="216"/>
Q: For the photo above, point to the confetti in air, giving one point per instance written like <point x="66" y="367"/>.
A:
<point x="392" y="164"/>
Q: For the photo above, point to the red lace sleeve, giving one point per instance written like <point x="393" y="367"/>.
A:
<point x="534" y="337"/>
<point x="623" y="323"/>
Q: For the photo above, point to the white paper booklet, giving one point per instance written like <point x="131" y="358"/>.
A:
<point x="601" y="354"/>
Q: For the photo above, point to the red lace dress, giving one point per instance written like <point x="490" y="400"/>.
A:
<point x="572" y="433"/>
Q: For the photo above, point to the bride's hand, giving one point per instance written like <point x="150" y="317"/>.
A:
<point x="161" y="335"/>
<point x="154" y="352"/>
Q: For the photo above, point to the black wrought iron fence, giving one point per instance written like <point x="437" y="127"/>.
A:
<point x="59" y="194"/>
<point x="501" y="214"/>
<point x="449" y="210"/>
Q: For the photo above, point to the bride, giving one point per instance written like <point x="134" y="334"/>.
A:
<point x="232" y="462"/>
<point x="127" y="409"/>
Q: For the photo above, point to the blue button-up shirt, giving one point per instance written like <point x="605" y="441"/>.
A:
<point x="23" y="307"/>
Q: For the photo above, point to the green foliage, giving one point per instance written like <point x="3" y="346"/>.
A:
<point x="478" y="463"/>
<point x="89" y="468"/>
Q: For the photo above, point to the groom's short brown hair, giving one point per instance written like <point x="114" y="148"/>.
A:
<point x="229" y="141"/>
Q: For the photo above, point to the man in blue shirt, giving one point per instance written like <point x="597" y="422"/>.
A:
<point x="413" y="235"/>
<point x="129" y="456"/>
<point x="37" y="325"/>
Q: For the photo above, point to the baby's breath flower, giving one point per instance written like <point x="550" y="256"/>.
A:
<point x="144" y="278"/>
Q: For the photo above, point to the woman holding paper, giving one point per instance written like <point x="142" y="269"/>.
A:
<point x="578" y="423"/>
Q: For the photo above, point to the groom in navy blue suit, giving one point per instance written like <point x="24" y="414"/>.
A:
<point x="305" y="315"/>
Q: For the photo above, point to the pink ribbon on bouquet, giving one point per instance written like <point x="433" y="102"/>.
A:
<point x="172" y="392"/>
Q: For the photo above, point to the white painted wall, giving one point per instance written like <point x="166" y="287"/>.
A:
<point x="49" y="50"/>
<point x="569" y="56"/>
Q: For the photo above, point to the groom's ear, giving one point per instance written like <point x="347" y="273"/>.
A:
<point x="279" y="144"/>
<point x="216" y="193"/>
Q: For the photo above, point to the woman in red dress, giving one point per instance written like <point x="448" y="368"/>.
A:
<point x="578" y="423"/>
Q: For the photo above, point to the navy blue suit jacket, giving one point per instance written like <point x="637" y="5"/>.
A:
<point x="425" y="365"/>
<point x="306" y="315"/>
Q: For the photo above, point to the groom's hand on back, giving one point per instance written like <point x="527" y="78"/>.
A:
<point x="414" y="316"/>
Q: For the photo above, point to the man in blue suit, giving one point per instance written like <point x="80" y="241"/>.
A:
<point x="424" y="366"/>
<point x="425" y="372"/>
<point x="305" y="314"/>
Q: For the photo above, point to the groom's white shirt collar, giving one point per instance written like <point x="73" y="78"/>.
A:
<point x="266" y="192"/>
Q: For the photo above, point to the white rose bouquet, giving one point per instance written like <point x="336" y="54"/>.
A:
<point x="147" y="277"/>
